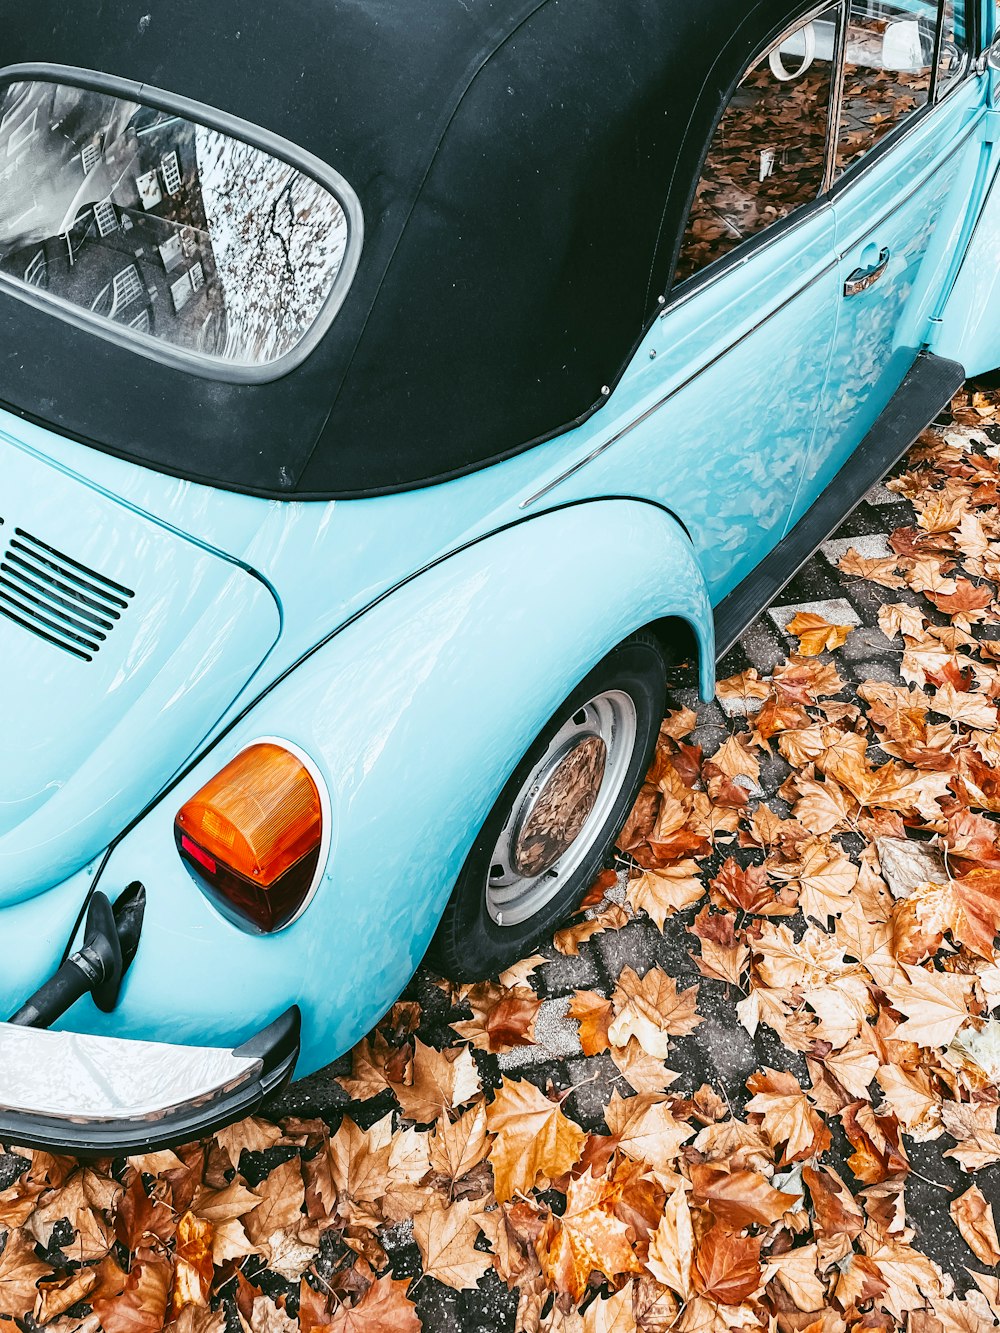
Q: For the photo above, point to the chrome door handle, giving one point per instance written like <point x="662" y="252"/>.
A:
<point x="863" y="278"/>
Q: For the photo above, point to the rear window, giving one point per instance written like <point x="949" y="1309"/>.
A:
<point x="171" y="234"/>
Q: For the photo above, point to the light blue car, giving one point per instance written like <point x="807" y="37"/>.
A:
<point x="389" y="393"/>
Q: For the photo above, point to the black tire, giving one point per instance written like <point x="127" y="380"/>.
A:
<point x="469" y="945"/>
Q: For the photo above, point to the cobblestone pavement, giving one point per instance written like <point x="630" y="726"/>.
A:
<point x="719" y="1051"/>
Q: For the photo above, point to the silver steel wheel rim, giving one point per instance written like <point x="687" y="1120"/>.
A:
<point x="563" y="805"/>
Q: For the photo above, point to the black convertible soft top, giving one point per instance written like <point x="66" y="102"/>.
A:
<point x="524" y="168"/>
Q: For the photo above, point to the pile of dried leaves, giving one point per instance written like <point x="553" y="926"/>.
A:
<point x="852" y="923"/>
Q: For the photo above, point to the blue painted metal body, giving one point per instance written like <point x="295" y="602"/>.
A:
<point x="414" y="644"/>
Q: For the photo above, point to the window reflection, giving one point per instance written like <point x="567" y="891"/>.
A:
<point x="887" y="74"/>
<point x="768" y="153"/>
<point x="162" y="226"/>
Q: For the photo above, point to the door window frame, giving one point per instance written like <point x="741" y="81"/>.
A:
<point x="833" y="185"/>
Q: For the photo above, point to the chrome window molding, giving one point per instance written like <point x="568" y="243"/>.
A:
<point x="257" y="137"/>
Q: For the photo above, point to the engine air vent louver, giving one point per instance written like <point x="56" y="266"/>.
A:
<point x="55" y="597"/>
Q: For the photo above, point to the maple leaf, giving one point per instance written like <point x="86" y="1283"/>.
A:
<point x="439" y="1081"/>
<point x="912" y="1100"/>
<point x="936" y="1005"/>
<point x="384" y="1308"/>
<point x="836" y="1211"/>
<point x="456" y="1148"/>
<point x="142" y="1306"/>
<point x="839" y="754"/>
<point x="876" y="569"/>
<point x="970" y="709"/>
<point x="901" y="618"/>
<point x="786" y="1116"/>
<point x="56" y="1297"/>
<point x="744" y="688"/>
<point x="193" y="1319"/>
<point x="518" y="974"/>
<point x="568" y="940"/>
<point x="502" y="1019"/>
<point x="534" y="1141"/>
<point x="796" y="1272"/>
<point x="661" y="893"/>
<point x="747" y="890"/>
<point x="825" y="878"/>
<point x="724" y="955"/>
<point x="249" y="1135"/>
<point x="966" y="599"/>
<point x="816" y="634"/>
<point x="359" y="1164"/>
<point x="369" y="1075"/>
<point x="821" y="806"/>
<point x="93" y="1236"/>
<point x="224" y="1205"/>
<point x="727" y="1266"/>
<point x="20" y="1271"/>
<point x="593" y="1013"/>
<point x="193" y="1264"/>
<point x="973" y="1215"/>
<point x="651" y="1010"/>
<point x="878" y="1149"/>
<point x="642" y="1072"/>
<point x="140" y="1217"/>
<point x="671" y="1247"/>
<point x="739" y="1198"/>
<point x="446" y="1236"/>
<point x="646" y="1128"/>
<point x="586" y="1238"/>
<point x="613" y="1315"/>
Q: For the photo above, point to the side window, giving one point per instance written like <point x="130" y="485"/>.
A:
<point x="954" y="58"/>
<point x="887" y="70"/>
<point x="768" y="154"/>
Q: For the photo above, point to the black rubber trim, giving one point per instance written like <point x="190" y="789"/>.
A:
<point x="276" y="1045"/>
<point x="928" y="387"/>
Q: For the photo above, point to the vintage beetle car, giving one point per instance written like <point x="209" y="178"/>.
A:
<point x="388" y="392"/>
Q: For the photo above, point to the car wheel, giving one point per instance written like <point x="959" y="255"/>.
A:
<point x="552" y="826"/>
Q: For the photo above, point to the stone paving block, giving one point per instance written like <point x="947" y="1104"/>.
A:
<point x="835" y="610"/>
<point x="880" y="495"/>
<point x="709" y="737"/>
<point x="773" y="770"/>
<point x="591" y="1080"/>
<point x="763" y="648"/>
<point x="872" y="546"/>
<point x="556" y="1037"/>
<point x="866" y="641"/>
<point x="814" y="582"/>
<point x="635" y="946"/>
<point x="562" y="974"/>
<point x="869" y="598"/>
<point x="884" y="669"/>
<point x="397" y="1236"/>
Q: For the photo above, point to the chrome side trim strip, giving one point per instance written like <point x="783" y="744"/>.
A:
<point x="644" y="416"/>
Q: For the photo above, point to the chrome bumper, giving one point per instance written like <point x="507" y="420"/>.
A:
<point x="109" y="1096"/>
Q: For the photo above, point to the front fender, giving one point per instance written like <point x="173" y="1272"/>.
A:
<point x="415" y="714"/>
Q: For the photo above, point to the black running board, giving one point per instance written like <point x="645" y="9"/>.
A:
<point x="928" y="387"/>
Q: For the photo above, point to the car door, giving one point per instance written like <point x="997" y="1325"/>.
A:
<point x="967" y="329"/>
<point x="726" y="383"/>
<point x="906" y="153"/>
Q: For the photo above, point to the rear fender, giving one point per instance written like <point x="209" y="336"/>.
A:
<point x="415" y="714"/>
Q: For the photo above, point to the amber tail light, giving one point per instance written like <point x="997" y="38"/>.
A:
<point x="253" y="835"/>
